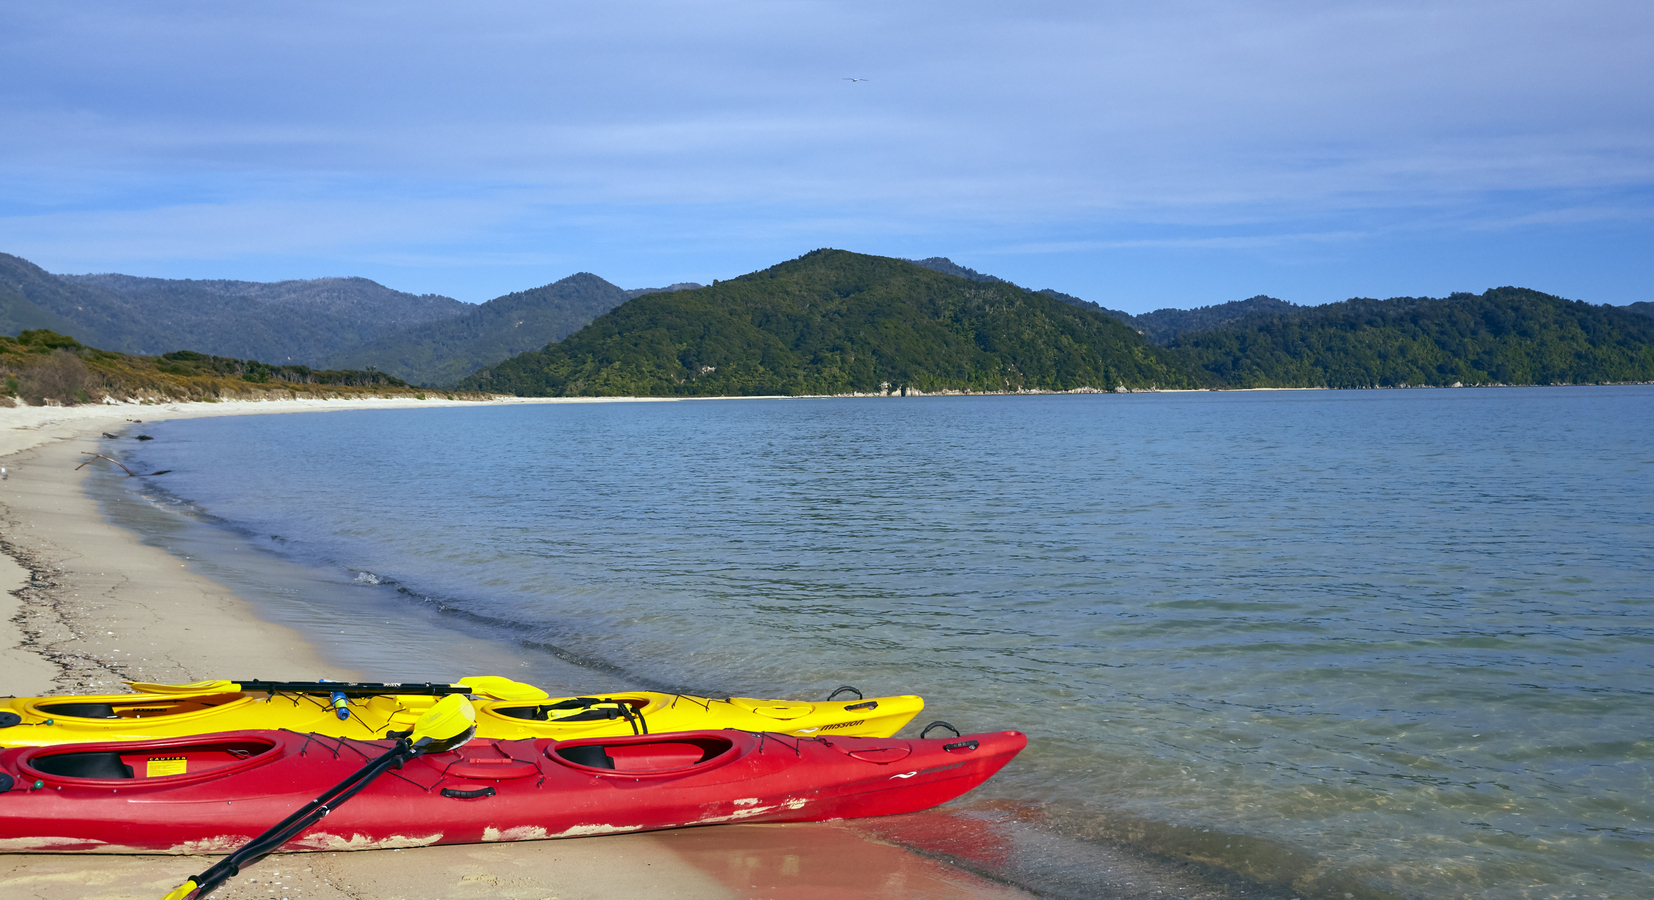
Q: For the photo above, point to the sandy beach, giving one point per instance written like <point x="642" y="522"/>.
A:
<point x="88" y="605"/>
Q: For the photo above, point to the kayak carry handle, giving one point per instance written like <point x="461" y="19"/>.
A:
<point x="865" y="704"/>
<point x="840" y="690"/>
<point x="458" y="794"/>
<point x="940" y="724"/>
<point x="961" y="745"/>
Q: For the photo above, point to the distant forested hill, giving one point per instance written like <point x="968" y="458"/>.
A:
<point x="680" y="286"/>
<point x="441" y="353"/>
<point x="1504" y="336"/>
<point x="285" y="321"/>
<point x="949" y="267"/>
<point x="1160" y="326"/>
<point x="834" y="322"/>
<point x="31" y="297"/>
<point x="20" y="279"/>
<point x="302" y="321"/>
<point x="1164" y="325"/>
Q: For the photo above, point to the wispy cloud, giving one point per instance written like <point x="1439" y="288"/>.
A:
<point x="724" y="134"/>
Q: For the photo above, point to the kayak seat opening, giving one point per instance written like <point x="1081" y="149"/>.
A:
<point x="645" y="756"/>
<point x="98" y="764"/>
<point x="209" y="753"/>
<point x="590" y="755"/>
<point x="81" y="710"/>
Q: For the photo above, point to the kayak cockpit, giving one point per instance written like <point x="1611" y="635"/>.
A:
<point x="212" y="756"/>
<point x="644" y="757"/>
<point x="126" y="706"/>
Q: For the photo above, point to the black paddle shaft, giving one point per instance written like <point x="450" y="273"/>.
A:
<point x="310" y="814"/>
<point x="351" y="688"/>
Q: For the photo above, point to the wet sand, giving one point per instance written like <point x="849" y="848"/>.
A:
<point x="87" y="605"/>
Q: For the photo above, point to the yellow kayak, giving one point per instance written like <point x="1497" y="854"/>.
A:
<point x="505" y="710"/>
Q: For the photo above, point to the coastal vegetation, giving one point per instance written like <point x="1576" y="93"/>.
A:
<point x="834" y="322"/>
<point x="40" y="367"/>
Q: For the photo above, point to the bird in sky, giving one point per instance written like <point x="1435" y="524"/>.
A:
<point x="858" y="79"/>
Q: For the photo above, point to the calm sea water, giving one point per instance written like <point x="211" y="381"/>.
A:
<point x="1395" y="639"/>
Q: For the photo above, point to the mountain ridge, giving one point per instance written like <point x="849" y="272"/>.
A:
<point x="355" y="323"/>
<point x="334" y="322"/>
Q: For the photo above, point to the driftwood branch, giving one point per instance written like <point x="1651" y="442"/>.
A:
<point x="129" y="472"/>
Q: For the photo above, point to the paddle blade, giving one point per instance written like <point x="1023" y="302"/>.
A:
<point x="181" y="891"/>
<point x="498" y="687"/>
<point x="446" y="725"/>
<point x="196" y="687"/>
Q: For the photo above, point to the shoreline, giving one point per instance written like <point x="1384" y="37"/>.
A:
<point x="89" y="604"/>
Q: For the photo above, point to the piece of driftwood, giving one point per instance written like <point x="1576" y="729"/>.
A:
<point x="129" y="472"/>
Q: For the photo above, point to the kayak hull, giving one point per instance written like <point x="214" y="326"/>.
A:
<point x="41" y="721"/>
<point x="212" y="793"/>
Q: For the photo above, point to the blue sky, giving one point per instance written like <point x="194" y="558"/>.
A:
<point x="1140" y="155"/>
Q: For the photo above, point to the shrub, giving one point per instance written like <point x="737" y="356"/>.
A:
<point x="61" y="377"/>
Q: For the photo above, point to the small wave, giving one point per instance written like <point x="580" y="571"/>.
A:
<point x="369" y="578"/>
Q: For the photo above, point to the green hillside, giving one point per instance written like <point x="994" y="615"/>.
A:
<point x="833" y="322"/>
<point x="1504" y="336"/>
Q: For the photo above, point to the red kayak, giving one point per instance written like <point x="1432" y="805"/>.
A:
<point x="212" y="793"/>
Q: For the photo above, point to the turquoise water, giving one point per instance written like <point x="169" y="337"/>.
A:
<point x="1395" y="639"/>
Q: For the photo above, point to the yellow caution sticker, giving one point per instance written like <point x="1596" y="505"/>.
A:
<point x="161" y="766"/>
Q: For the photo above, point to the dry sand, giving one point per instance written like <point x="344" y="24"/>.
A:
<point x="87" y="605"/>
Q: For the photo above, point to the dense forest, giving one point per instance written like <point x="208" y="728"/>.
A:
<point x="949" y="267"/>
<point x="1164" y="325"/>
<point x="834" y="322"/>
<point x="1504" y="336"/>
